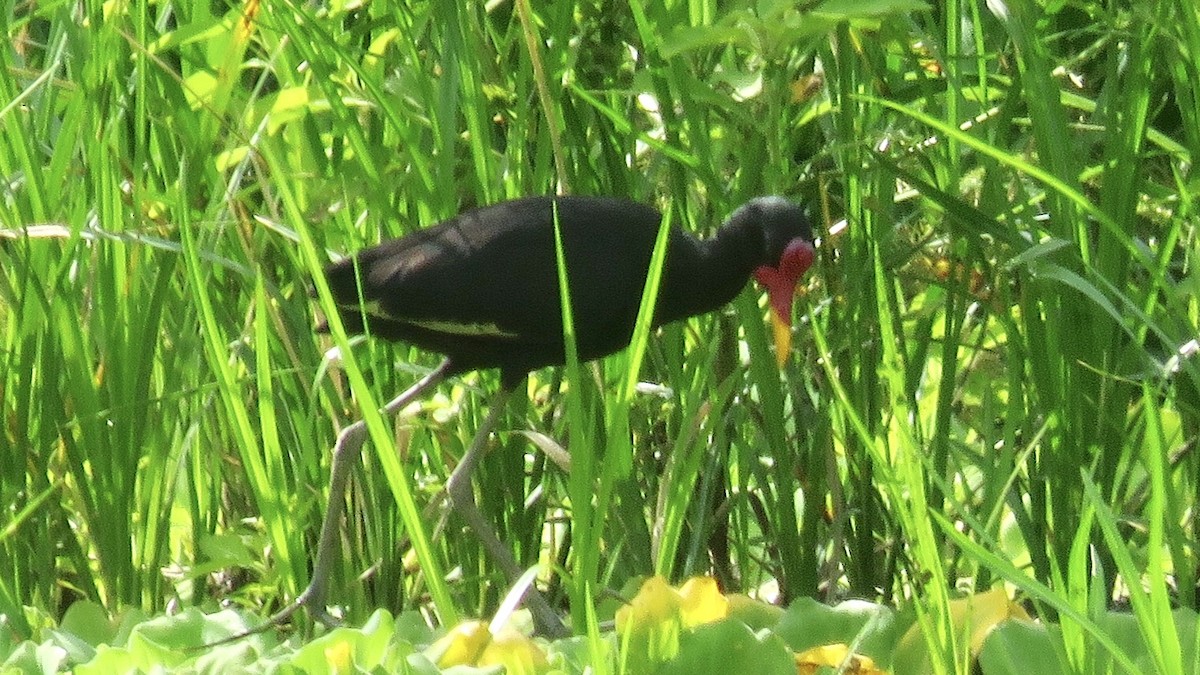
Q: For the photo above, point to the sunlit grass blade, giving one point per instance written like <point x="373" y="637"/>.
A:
<point x="233" y="398"/>
<point x="1035" y="590"/>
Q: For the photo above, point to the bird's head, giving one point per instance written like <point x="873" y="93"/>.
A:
<point x="788" y="253"/>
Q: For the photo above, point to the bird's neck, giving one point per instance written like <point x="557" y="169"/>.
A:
<point x="706" y="274"/>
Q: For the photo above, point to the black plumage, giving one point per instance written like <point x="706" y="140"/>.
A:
<point x="482" y="288"/>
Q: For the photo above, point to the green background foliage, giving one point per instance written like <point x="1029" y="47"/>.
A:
<point x="992" y="379"/>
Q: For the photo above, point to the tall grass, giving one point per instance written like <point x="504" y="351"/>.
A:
<point x="992" y="378"/>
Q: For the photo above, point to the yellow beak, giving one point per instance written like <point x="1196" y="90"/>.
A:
<point x="783" y="337"/>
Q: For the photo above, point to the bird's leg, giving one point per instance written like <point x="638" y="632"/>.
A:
<point x="462" y="501"/>
<point x="346" y="452"/>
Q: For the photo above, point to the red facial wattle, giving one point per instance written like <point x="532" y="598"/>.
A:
<point x="780" y="282"/>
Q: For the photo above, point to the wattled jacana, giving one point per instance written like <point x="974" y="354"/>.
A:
<point x="483" y="290"/>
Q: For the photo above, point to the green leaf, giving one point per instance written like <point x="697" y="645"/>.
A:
<point x="1019" y="648"/>
<point x="730" y="647"/>
<point x="853" y="10"/>
<point x="872" y="629"/>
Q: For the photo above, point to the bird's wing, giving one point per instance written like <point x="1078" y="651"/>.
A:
<point x="493" y="272"/>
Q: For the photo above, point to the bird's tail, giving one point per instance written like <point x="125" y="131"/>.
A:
<point x="343" y="284"/>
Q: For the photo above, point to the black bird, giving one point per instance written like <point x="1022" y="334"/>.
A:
<point x="482" y="289"/>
